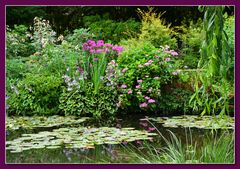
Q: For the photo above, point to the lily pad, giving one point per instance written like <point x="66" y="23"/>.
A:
<point x="203" y="122"/>
<point x="78" y="137"/>
<point x="15" y="123"/>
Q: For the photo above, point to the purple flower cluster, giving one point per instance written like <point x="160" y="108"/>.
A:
<point x="143" y="105"/>
<point x="101" y="47"/>
<point x="148" y="100"/>
<point x="172" y="52"/>
<point x="148" y="63"/>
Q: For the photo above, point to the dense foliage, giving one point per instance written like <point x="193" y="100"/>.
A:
<point x="111" y="66"/>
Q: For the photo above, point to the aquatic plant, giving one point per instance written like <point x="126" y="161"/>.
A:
<point x="215" y="149"/>
<point x="15" y="123"/>
<point x="193" y="121"/>
<point x="81" y="137"/>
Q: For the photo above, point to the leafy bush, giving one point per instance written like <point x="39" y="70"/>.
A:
<point x="155" y="30"/>
<point x="79" y="102"/>
<point x="55" y="59"/>
<point x="229" y="28"/>
<point x="107" y="29"/>
<point x="175" y="100"/>
<point x="145" y="69"/>
<point x="15" y="71"/>
<point x="192" y="38"/>
<point x="18" y="42"/>
<point x="79" y="36"/>
<point x="36" y="94"/>
<point x="15" y="68"/>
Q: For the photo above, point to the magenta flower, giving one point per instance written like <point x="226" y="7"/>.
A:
<point x="157" y="57"/>
<point x="168" y="59"/>
<point x="151" y="128"/>
<point x="124" y="70"/>
<point x="139" y="81"/>
<point x="100" y="43"/>
<point x="118" y="49"/>
<point x="143" y="105"/>
<point x="99" y="51"/>
<point x="174" y="53"/>
<point x="138" y="86"/>
<point x="95" y="59"/>
<point x="92" y="51"/>
<point x="108" y="45"/>
<point x="129" y="91"/>
<point x="151" y="101"/>
<point x="146" y="97"/>
<point x="124" y="86"/>
<point x="150" y="61"/>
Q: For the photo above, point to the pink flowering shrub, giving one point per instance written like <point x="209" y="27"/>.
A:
<point x="145" y="69"/>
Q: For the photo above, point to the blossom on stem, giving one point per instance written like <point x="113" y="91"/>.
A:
<point x="143" y="105"/>
<point x="129" y="91"/>
<point x="124" y="86"/>
<point x="151" y="101"/>
<point x="146" y="97"/>
<point x="138" y="86"/>
<point x="174" y="53"/>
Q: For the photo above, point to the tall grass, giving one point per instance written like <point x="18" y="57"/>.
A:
<point x="213" y="149"/>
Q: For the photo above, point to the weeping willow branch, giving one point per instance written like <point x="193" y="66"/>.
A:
<point x="212" y="93"/>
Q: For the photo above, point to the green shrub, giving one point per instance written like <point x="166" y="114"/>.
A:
<point x="100" y="106"/>
<point x="15" y="68"/>
<point x="15" y="71"/>
<point x="155" y="30"/>
<point x="229" y="28"/>
<point x="192" y="38"/>
<point x="145" y="69"/>
<point x="79" y="36"/>
<point x="18" y="42"/>
<point x="55" y="59"/>
<point x="114" y="31"/>
<point x="36" y="94"/>
<point x="175" y="100"/>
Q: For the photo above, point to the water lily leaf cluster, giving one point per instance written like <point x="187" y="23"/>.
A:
<point x="203" y="122"/>
<point x="14" y="123"/>
<point x="79" y="137"/>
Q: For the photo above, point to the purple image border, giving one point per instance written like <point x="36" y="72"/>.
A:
<point x="3" y="3"/>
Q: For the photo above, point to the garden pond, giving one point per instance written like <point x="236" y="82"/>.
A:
<point x="59" y="139"/>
